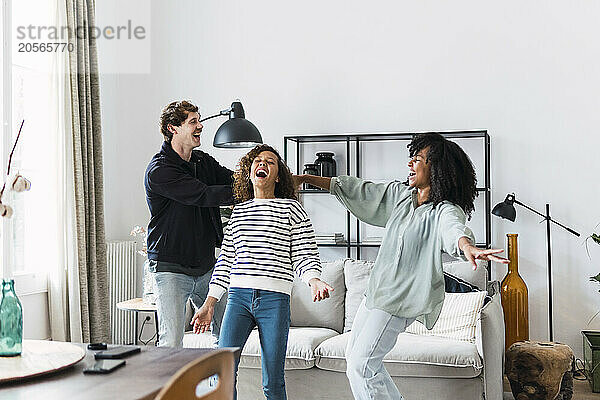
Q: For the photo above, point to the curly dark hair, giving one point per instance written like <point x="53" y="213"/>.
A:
<point x="452" y="174"/>
<point x="243" y="189"/>
<point x="175" y="113"/>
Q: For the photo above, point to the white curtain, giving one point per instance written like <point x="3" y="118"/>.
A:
<point x="63" y="279"/>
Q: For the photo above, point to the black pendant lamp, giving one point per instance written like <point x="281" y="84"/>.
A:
<point x="237" y="131"/>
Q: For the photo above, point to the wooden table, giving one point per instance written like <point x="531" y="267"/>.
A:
<point x="138" y="305"/>
<point x="142" y="377"/>
<point x="39" y="357"/>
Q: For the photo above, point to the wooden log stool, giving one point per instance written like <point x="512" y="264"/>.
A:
<point x="540" y="370"/>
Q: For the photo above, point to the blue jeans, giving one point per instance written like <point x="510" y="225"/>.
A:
<point x="270" y="311"/>
<point x="173" y="291"/>
<point x="373" y="335"/>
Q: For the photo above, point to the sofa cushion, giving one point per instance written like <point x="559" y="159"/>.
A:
<point x="300" y="353"/>
<point x="412" y="356"/>
<point x="328" y="313"/>
<point x="356" y="278"/>
<point x="300" y="350"/>
<point x="453" y="284"/>
<point x="458" y="318"/>
<point x="464" y="271"/>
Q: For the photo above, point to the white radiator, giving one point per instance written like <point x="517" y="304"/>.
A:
<point x="121" y="259"/>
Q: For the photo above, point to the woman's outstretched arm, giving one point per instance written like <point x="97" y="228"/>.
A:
<point x="319" y="181"/>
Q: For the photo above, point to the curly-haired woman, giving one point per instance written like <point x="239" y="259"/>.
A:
<point x="268" y="239"/>
<point x="407" y="281"/>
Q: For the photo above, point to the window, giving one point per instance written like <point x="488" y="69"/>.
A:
<point x="29" y="93"/>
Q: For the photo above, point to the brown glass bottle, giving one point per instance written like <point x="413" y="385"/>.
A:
<point x="513" y="293"/>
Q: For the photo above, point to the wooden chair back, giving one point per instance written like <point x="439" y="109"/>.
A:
<point x="183" y="384"/>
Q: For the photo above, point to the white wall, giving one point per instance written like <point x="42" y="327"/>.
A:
<point x="528" y="73"/>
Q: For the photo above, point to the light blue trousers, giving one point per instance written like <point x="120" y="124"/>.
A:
<point x="374" y="333"/>
<point x="173" y="291"/>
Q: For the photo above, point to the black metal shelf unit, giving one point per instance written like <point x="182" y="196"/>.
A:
<point x="293" y="143"/>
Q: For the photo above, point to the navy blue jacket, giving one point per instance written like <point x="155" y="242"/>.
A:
<point x="184" y="199"/>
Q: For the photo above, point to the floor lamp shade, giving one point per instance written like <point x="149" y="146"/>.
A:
<point x="506" y="209"/>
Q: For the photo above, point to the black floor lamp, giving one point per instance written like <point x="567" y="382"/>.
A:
<point x="506" y="210"/>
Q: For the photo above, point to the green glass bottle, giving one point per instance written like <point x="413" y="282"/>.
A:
<point x="11" y="321"/>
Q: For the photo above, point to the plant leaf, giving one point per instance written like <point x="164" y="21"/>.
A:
<point x="595" y="278"/>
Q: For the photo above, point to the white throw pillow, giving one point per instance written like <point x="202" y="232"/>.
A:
<point x="458" y="318"/>
<point x="356" y="277"/>
<point x="328" y="313"/>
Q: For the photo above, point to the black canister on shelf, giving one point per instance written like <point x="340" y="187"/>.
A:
<point x="326" y="163"/>
<point x="311" y="169"/>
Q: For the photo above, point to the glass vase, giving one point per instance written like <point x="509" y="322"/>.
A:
<point x="513" y="293"/>
<point x="11" y="321"/>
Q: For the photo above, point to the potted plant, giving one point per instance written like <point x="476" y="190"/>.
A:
<point x="591" y="339"/>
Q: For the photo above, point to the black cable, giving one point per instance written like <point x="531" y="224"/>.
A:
<point x="145" y="343"/>
<point x="579" y="373"/>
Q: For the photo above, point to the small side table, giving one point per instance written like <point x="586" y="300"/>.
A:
<point x="540" y="370"/>
<point x="138" y="305"/>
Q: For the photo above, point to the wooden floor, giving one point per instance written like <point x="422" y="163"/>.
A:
<point x="581" y="391"/>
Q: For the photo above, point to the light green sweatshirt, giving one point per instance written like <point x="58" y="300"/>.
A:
<point x="407" y="279"/>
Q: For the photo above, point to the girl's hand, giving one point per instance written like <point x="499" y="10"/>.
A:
<point x="202" y="318"/>
<point x="473" y="253"/>
<point x="320" y="290"/>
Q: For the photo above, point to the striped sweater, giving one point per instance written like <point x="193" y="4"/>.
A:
<point x="266" y="241"/>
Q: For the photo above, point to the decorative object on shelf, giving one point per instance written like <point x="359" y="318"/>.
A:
<point x="330" y="238"/>
<point x="506" y="209"/>
<point x="18" y="183"/>
<point x="11" y="321"/>
<point x="591" y="358"/>
<point x="372" y="240"/>
<point x="326" y="163"/>
<point x="513" y="293"/>
<point x="148" y="284"/>
<point x="237" y="132"/>
<point x="540" y="370"/>
<point x="311" y="169"/>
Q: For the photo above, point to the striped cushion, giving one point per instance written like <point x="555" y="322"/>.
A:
<point x="458" y="318"/>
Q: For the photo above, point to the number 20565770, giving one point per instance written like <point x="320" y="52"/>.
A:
<point x="50" y="47"/>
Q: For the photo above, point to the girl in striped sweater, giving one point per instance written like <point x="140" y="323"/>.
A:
<point x="268" y="240"/>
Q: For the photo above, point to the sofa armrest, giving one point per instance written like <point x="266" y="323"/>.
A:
<point x="490" y="343"/>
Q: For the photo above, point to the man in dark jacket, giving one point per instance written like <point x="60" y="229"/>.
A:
<point x="184" y="189"/>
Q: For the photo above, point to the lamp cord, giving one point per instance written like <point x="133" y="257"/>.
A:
<point x="579" y="370"/>
<point x="145" y="343"/>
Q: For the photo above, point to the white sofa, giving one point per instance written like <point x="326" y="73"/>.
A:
<point x="423" y="367"/>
